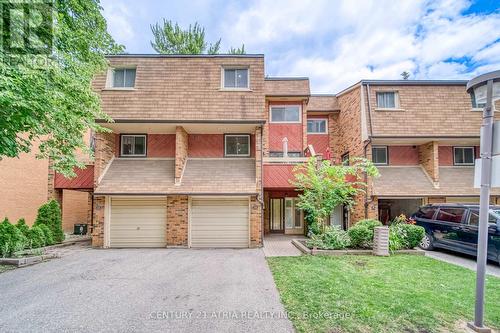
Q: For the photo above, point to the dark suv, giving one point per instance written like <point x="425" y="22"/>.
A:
<point x="455" y="227"/>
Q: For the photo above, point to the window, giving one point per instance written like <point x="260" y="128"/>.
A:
<point x="387" y="100"/>
<point x="123" y="77"/>
<point x="316" y="126"/>
<point x="463" y="155"/>
<point x="475" y="104"/>
<point x="379" y="155"/>
<point x="454" y="215"/>
<point x="474" y="218"/>
<point x="133" y="145"/>
<point x="345" y="159"/>
<point x="285" y="114"/>
<point x="426" y="212"/>
<point x="236" y="78"/>
<point x="237" y="145"/>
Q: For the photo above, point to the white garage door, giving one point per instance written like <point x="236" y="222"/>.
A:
<point x="138" y="222"/>
<point x="219" y="222"/>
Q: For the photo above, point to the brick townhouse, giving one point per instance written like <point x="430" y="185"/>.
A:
<point x="201" y="149"/>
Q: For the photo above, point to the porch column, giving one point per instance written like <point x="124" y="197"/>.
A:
<point x="428" y="157"/>
<point x="181" y="152"/>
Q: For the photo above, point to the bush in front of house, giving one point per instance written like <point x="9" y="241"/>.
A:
<point x="47" y="234"/>
<point x="333" y="238"/>
<point x="405" y="236"/>
<point x="50" y="215"/>
<point x="361" y="234"/>
<point x="23" y="227"/>
<point x="11" y="239"/>
<point x="36" y="237"/>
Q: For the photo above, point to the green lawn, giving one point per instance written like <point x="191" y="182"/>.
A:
<point x="401" y="293"/>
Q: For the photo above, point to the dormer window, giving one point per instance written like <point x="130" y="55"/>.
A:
<point x="123" y="78"/>
<point x="235" y="78"/>
<point x="387" y="100"/>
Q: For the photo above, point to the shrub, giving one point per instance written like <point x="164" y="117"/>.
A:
<point x="50" y="215"/>
<point x="361" y="234"/>
<point x="23" y="227"/>
<point x="333" y="238"/>
<point x="405" y="236"/>
<point x="11" y="239"/>
<point x="36" y="237"/>
<point x="47" y="234"/>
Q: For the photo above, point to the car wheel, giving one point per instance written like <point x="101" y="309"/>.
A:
<point x="427" y="242"/>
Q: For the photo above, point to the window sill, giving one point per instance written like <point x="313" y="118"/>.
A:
<point x="118" y="89"/>
<point x="390" y="109"/>
<point x="317" y="133"/>
<point x="236" y="89"/>
<point x="477" y="109"/>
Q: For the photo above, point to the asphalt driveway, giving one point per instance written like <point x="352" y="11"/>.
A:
<point x="139" y="290"/>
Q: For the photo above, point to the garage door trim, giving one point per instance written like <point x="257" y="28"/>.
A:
<point x="190" y="207"/>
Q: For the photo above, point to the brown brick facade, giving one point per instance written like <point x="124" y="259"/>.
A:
<point x="428" y="157"/>
<point x="105" y="144"/>
<point x="98" y="222"/>
<point x="181" y="152"/>
<point x="177" y="220"/>
<point x="255" y="222"/>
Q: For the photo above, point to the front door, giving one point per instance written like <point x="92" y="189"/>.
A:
<point x="276" y="216"/>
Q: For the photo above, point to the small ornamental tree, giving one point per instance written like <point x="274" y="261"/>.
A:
<point x="50" y="215"/>
<point x="325" y="186"/>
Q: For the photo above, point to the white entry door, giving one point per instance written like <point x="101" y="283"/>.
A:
<point x="294" y="217"/>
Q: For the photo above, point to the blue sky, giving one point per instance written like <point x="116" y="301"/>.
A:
<point x="335" y="43"/>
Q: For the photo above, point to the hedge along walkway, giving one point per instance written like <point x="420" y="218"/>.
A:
<point x="400" y="293"/>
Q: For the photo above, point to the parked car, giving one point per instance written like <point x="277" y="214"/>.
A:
<point x="455" y="227"/>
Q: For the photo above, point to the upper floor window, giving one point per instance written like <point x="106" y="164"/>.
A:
<point x="285" y="114"/>
<point x="316" y="126"/>
<point x="387" y="100"/>
<point x="123" y="78"/>
<point x="345" y="159"/>
<point x="463" y="155"/>
<point x="133" y="145"/>
<point x="236" y="78"/>
<point x="379" y="155"/>
<point x="237" y="145"/>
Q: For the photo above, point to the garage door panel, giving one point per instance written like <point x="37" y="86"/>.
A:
<point x="219" y="222"/>
<point x="138" y="222"/>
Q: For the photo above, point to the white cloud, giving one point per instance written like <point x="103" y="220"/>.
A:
<point x="119" y="18"/>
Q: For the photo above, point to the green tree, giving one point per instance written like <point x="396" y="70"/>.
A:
<point x="325" y="186"/>
<point x="170" y="38"/>
<point x="49" y="98"/>
<point x="50" y="215"/>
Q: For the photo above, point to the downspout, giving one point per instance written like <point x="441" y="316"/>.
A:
<point x="365" y="146"/>
<point x="260" y="198"/>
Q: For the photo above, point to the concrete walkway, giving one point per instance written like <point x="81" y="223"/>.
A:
<point x="463" y="261"/>
<point x="281" y="246"/>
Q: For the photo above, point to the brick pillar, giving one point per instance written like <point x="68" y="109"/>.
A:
<point x="98" y="222"/>
<point x="266" y="212"/>
<point x="177" y="220"/>
<point x="181" y="152"/>
<point x="265" y="141"/>
<point x="255" y="222"/>
<point x="90" y="211"/>
<point x="333" y="137"/>
<point x="105" y="145"/>
<point x="258" y="159"/>
<point x="428" y="156"/>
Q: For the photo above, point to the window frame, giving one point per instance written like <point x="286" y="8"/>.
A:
<point x="318" y="119"/>
<point x="464" y="219"/>
<point x="223" y="78"/>
<point x="236" y="155"/>
<point x="396" y="100"/>
<point x="145" y="136"/>
<point x="386" y="148"/>
<point x="465" y="164"/>
<point x="110" y="80"/>
<point x="284" y="106"/>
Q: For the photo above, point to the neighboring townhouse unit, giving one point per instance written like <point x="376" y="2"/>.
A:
<point x="202" y="148"/>
<point x="422" y="135"/>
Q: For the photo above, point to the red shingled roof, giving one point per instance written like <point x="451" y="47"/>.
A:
<point x="277" y="176"/>
<point x="84" y="179"/>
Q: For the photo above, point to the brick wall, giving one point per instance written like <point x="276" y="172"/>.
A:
<point x="105" y="146"/>
<point x="255" y="222"/>
<point x="446" y="155"/>
<point x="211" y="145"/>
<point x="181" y="152"/>
<point x="98" y="222"/>
<point x="333" y="136"/>
<point x="74" y="209"/>
<point x="295" y="132"/>
<point x="161" y="145"/>
<point x="428" y="156"/>
<point x="177" y="220"/>
<point x="403" y="155"/>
